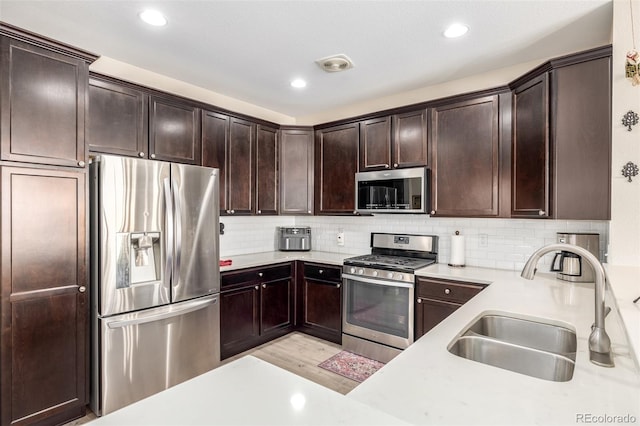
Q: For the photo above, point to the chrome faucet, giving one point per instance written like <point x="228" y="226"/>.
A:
<point x="599" y="342"/>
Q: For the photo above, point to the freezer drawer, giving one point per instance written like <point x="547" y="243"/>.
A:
<point x="145" y="352"/>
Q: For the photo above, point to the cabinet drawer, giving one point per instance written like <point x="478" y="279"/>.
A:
<point x="450" y="291"/>
<point x="243" y="277"/>
<point x="322" y="272"/>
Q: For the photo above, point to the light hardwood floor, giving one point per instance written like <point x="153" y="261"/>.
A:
<point x="296" y="352"/>
<point x="300" y="354"/>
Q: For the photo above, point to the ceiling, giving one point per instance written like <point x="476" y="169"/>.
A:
<point x="251" y="50"/>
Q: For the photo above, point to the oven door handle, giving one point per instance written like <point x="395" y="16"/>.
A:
<point x="377" y="281"/>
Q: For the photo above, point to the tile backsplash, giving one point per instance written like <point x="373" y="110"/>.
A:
<point x="491" y="243"/>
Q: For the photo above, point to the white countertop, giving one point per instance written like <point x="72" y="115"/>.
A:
<point x="272" y="257"/>
<point x="247" y="391"/>
<point x="428" y="385"/>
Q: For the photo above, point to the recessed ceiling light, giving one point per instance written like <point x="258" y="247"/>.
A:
<point x="153" y="17"/>
<point x="456" y="30"/>
<point x="298" y="83"/>
<point x="335" y="63"/>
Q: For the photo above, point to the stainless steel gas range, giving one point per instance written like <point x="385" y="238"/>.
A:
<point x="378" y="314"/>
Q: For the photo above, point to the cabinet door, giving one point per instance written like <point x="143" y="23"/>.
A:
<point x="174" y="131"/>
<point x="42" y="105"/>
<point x="44" y="343"/>
<point x="239" y="320"/>
<point x="241" y="177"/>
<point x="430" y="313"/>
<point x="276" y="306"/>
<point x="322" y="309"/>
<point x="215" y="150"/>
<point x="296" y="171"/>
<point x="581" y="140"/>
<point x="336" y="163"/>
<point x="465" y="167"/>
<point x="409" y="147"/>
<point x="530" y="164"/>
<point x="375" y="144"/>
<point x="117" y="119"/>
<point x="266" y="170"/>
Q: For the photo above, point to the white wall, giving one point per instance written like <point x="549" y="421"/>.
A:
<point x="510" y="241"/>
<point x="624" y="248"/>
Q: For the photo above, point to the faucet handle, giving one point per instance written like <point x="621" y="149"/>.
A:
<point x="607" y="310"/>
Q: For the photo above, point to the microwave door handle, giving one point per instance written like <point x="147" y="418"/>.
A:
<point x="169" y="228"/>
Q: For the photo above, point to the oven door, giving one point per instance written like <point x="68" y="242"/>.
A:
<point x="378" y="310"/>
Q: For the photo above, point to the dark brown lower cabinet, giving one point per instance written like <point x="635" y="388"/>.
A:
<point x="256" y="305"/>
<point x="44" y="322"/>
<point x="320" y="301"/>
<point x="436" y="299"/>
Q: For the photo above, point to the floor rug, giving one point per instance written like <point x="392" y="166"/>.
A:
<point x="351" y="366"/>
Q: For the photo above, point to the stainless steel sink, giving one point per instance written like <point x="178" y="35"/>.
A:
<point x="527" y="346"/>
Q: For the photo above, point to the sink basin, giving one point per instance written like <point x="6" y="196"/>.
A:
<point x="532" y="334"/>
<point x="527" y="346"/>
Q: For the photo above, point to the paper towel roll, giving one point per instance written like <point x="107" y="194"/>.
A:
<point x="457" y="251"/>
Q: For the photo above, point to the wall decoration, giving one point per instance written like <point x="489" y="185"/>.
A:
<point x="630" y="119"/>
<point x="632" y="65"/>
<point x="630" y="170"/>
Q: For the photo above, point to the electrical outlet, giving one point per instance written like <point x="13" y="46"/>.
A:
<point x="340" y="238"/>
<point x="484" y="240"/>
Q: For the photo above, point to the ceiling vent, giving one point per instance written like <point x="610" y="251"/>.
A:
<point x="335" y="63"/>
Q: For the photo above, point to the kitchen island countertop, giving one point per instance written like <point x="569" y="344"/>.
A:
<point x="426" y="384"/>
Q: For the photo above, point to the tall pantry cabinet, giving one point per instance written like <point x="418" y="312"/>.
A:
<point x="43" y="244"/>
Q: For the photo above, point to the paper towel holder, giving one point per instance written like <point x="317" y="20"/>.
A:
<point x="459" y="262"/>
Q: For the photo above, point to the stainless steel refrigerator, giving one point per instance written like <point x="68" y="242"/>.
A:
<point x="154" y="277"/>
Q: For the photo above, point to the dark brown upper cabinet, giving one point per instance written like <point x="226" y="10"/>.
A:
<point x="465" y="164"/>
<point x="562" y="139"/>
<point x="174" y="130"/>
<point x="296" y="171"/>
<point x="266" y="170"/>
<point x="229" y="144"/>
<point x="530" y="168"/>
<point x="44" y="343"/>
<point x="336" y="163"/>
<point x="241" y="177"/>
<point x="42" y="101"/>
<point x="394" y="141"/>
<point x="215" y="149"/>
<point x="118" y="115"/>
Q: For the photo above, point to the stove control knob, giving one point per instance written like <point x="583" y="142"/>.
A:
<point x="352" y="270"/>
<point x="360" y="271"/>
<point x="374" y="273"/>
<point x="390" y="275"/>
<point x="400" y="277"/>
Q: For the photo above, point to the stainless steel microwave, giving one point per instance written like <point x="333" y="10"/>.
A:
<point x="393" y="191"/>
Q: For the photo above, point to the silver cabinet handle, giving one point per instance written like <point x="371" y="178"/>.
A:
<point x="447" y="291"/>
<point x="338" y="285"/>
<point x="141" y="154"/>
<point x="82" y="289"/>
<point x="320" y="271"/>
<point x="81" y="163"/>
<point x="433" y="212"/>
<point x="264" y="286"/>
<point x="233" y="211"/>
<point x="542" y="213"/>
<point x="419" y="300"/>
<point x="257" y="287"/>
<point x="260" y="274"/>
<point x="153" y="156"/>
<point x="309" y="211"/>
<point x="386" y="166"/>
<point x="228" y="211"/>
<point x="395" y="164"/>
<point x="259" y="211"/>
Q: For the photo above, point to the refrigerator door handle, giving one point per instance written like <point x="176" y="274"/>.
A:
<point x="171" y="312"/>
<point x="178" y="227"/>
<point x="169" y="248"/>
